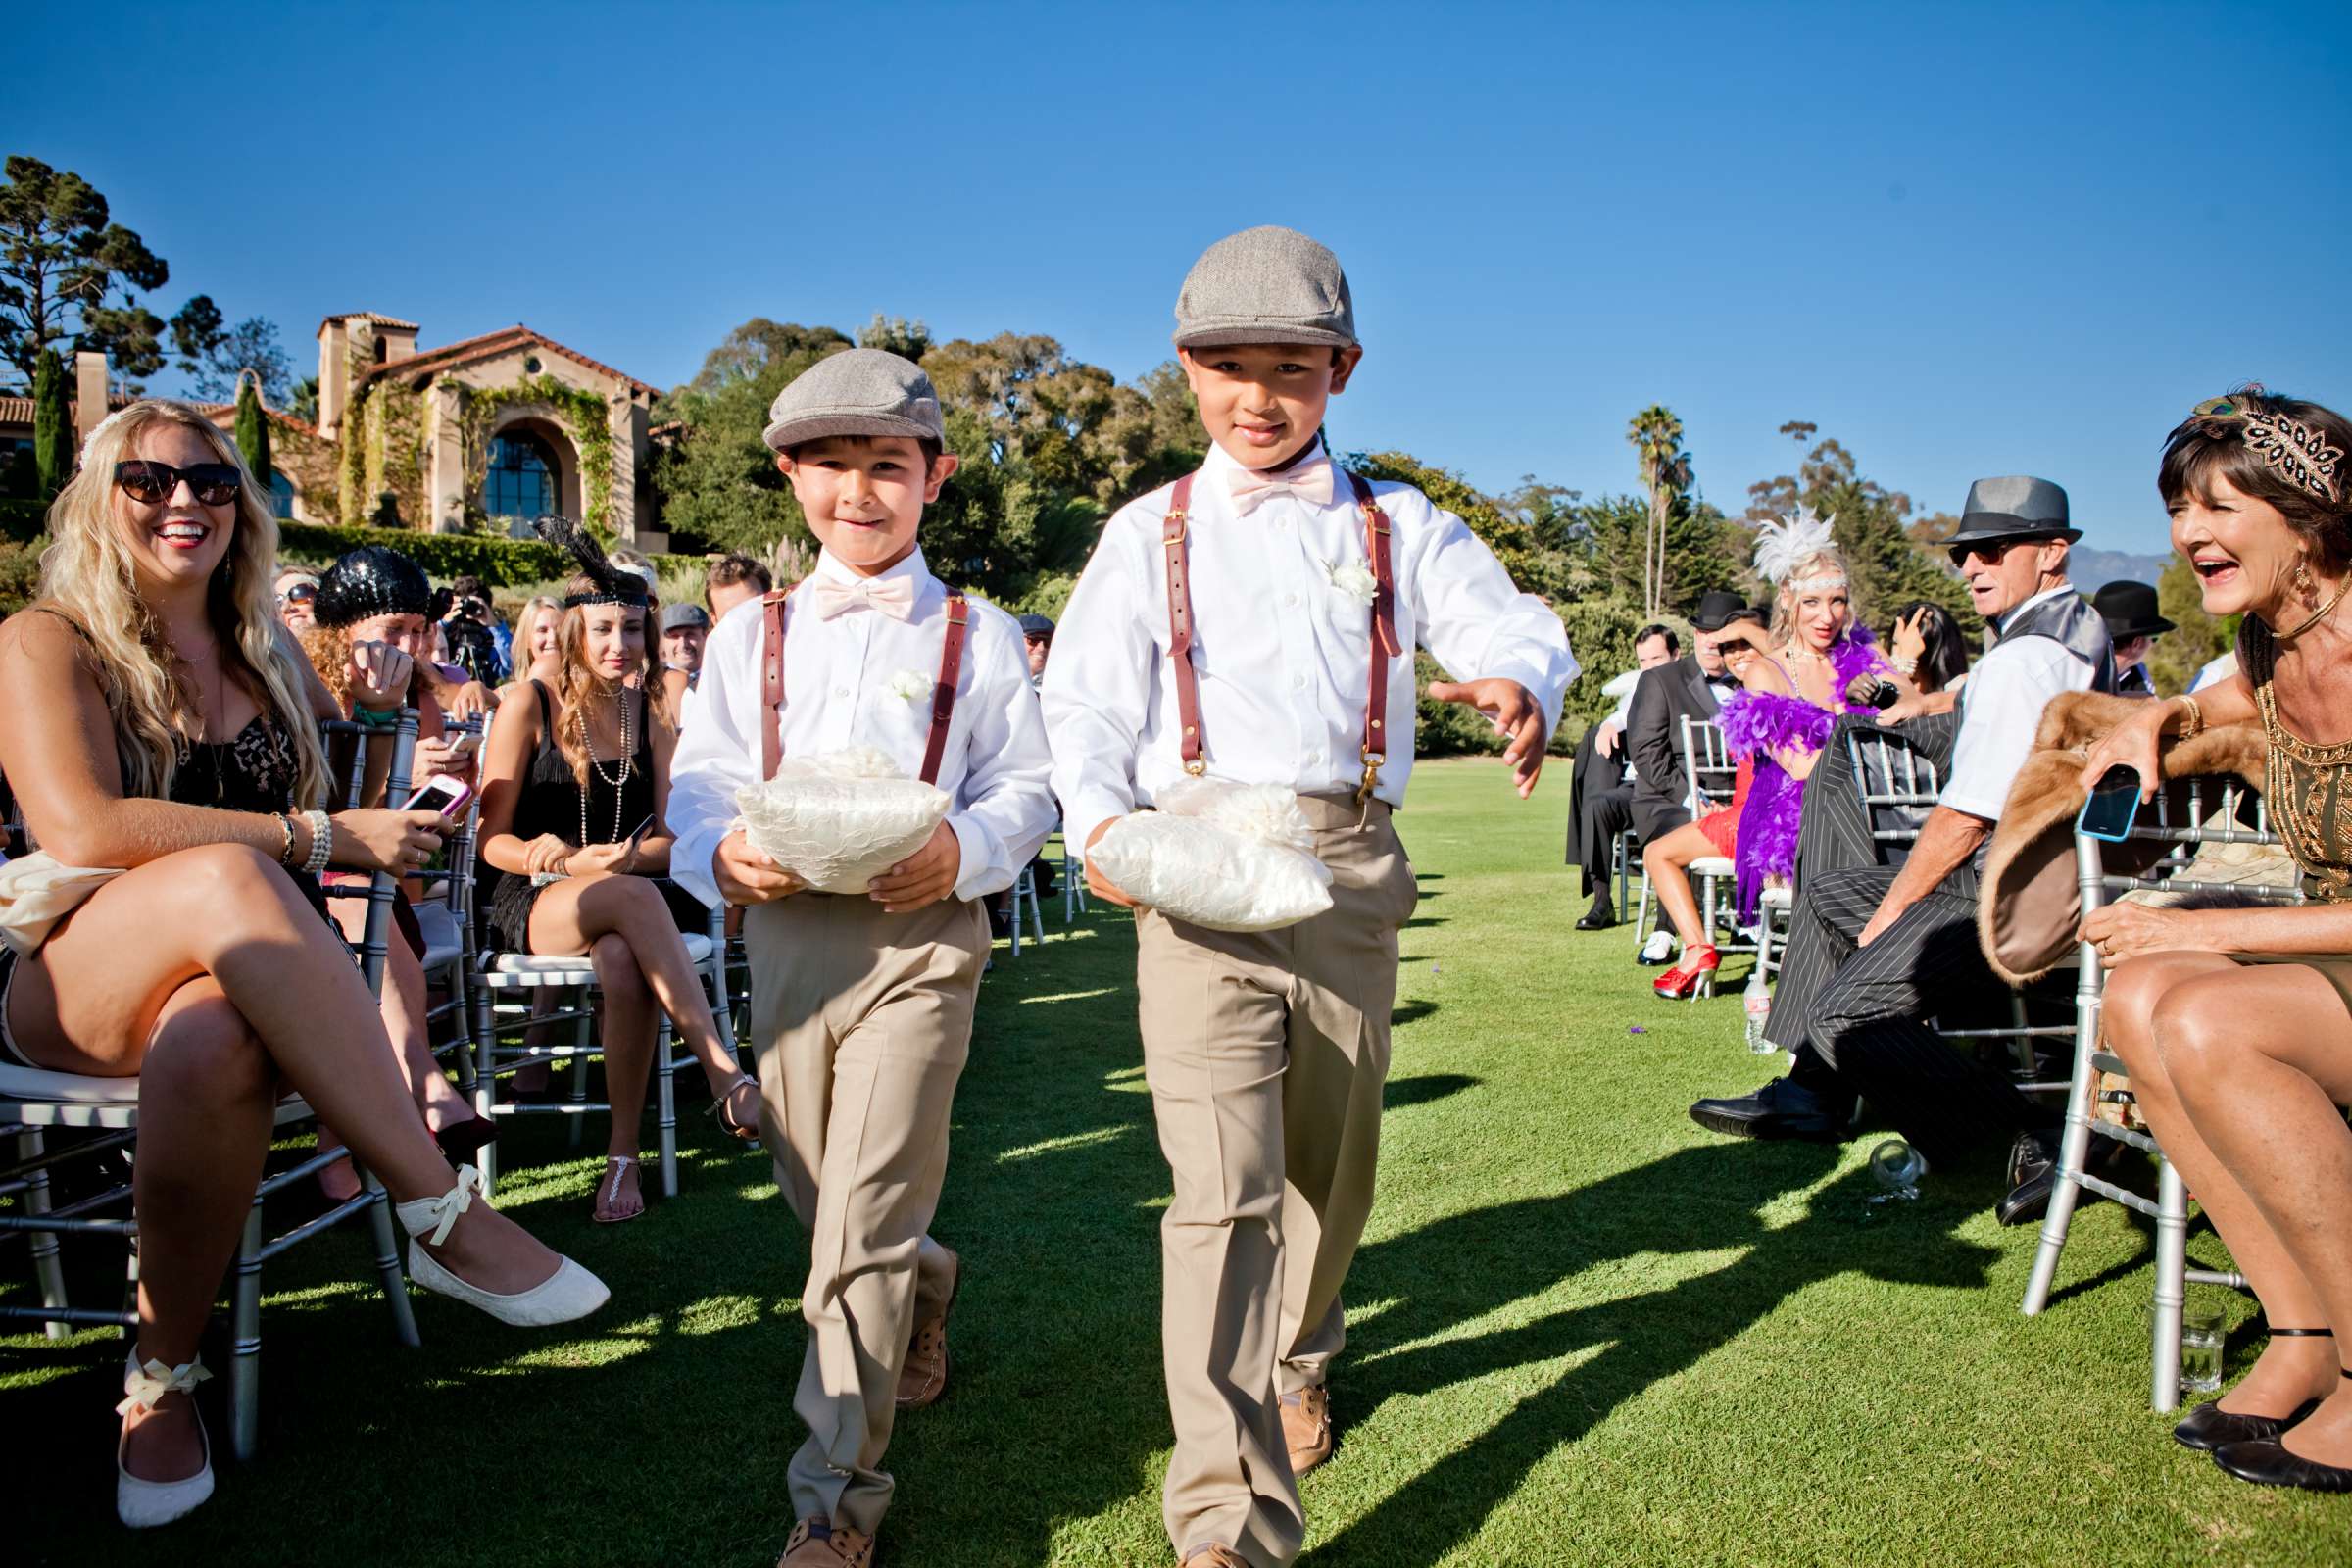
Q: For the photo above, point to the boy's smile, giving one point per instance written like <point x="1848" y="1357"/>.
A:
<point x="1263" y="403"/>
<point x="864" y="496"/>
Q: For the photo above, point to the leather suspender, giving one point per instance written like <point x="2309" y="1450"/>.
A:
<point x="771" y="682"/>
<point x="1384" y="644"/>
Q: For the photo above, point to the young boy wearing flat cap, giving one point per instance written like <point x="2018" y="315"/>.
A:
<point x="1257" y="622"/>
<point x="862" y="1008"/>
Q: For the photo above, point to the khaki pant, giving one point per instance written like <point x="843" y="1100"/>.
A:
<point x="862" y="1020"/>
<point x="1266" y="1053"/>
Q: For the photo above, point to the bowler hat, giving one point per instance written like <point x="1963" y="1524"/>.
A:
<point x="1718" y="610"/>
<point x="2017" y="506"/>
<point x="2130" y="610"/>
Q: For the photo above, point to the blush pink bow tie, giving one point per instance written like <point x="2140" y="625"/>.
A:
<point x="1310" y="482"/>
<point x="892" y="596"/>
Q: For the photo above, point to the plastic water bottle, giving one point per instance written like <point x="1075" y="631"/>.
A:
<point x="1758" y="1001"/>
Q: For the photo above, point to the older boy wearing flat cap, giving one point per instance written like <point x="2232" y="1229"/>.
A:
<point x="1255" y="622"/>
<point x="862" y="1008"/>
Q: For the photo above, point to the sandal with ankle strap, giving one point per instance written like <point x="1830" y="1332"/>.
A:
<point x="2208" y="1427"/>
<point x="569" y="1293"/>
<point x="145" y="1505"/>
<point x="609" y="1193"/>
<point x="2269" y="1462"/>
<point x="722" y="1110"/>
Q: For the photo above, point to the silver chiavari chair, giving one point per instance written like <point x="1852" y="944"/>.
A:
<point x="1024" y="896"/>
<point x="2183" y="822"/>
<point x="1073" y="880"/>
<point x="1714" y="777"/>
<point x="35" y="1103"/>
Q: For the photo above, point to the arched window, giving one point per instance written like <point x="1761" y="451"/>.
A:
<point x="282" y="497"/>
<point x="522" y="478"/>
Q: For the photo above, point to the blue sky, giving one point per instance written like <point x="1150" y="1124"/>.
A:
<point x="1963" y="240"/>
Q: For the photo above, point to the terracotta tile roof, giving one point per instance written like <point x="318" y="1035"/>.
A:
<point x="393" y="322"/>
<point x="223" y="412"/>
<point x="19" y="411"/>
<point x="498" y="342"/>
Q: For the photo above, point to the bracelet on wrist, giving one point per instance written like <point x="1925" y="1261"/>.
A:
<point x="1903" y="666"/>
<point x="2195" y="719"/>
<point x="376" y="718"/>
<point x="322" y="842"/>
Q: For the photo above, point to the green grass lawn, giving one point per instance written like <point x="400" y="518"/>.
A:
<point x="1582" y="1329"/>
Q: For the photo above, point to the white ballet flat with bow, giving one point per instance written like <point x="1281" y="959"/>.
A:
<point x="569" y="1293"/>
<point x="145" y="1505"/>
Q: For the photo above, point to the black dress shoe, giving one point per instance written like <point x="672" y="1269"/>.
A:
<point x="2209" y="1426"/>
<point x="1599" y="917"/>
<point x="2034" y="1174"/>
<point x="2267" y="1463"/>
<point x="1779" y="1110"/>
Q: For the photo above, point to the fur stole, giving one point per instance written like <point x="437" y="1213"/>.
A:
<point x="2029" y="905"/>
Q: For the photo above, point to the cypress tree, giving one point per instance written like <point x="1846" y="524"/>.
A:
<point x="52" y="425"/>
<point x="253" y="430"/>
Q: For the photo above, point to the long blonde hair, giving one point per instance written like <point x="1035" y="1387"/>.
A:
<point x="578" y="683"/>
<point x="527" y="627"/>
<point x="86" y="573"/>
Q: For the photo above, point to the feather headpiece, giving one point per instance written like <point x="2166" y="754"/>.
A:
<point x="1784" y="544"/>
<point x="614" y="585"/>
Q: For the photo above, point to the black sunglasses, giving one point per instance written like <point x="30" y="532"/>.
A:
<point x="1992" y="550"/>
<point x="152" y="484"/>
<point x="302" y="593"/>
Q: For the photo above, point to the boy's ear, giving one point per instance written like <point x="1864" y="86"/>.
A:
<point x="784" y="465"/>
<point x="943" y="468"/>
<point x="1343" y="366"/>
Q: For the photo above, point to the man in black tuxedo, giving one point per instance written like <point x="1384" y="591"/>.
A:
<point x="1601" y="787"/>
<point x="1695" y="684"/>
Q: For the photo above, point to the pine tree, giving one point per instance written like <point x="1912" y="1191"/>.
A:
<point x="52" y="424"/>
<point x="253" y="429"/>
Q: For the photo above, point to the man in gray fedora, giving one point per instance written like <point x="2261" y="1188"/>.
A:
<point x="1874" y="949"/>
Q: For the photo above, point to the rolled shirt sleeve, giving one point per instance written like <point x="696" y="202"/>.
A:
<point x="1999" y="709"/>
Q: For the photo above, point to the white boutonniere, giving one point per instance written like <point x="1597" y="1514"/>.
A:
<point x="908" y="686"/>
<point x="1354" y="580"/>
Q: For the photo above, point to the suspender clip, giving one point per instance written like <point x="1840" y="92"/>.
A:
<point x="1372" y="764"/>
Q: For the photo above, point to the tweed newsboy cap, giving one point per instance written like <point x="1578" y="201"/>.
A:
<point x="1265" y="286"/>
<point x="856" y="392"/>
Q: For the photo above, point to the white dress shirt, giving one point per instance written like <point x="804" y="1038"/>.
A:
<point x="838" y="680"/>
<point x="2000" y="708"/>
<point x="1282" y="654"/>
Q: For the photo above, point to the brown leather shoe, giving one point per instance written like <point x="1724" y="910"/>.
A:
<point x="818" y="1543"/>
<point x="1307" y="1428"/>
<point x="1214" y="1555"/>
<point x="925" y="1377"/>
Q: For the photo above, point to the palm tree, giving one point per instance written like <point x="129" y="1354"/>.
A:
<point x="1657" y="436"/>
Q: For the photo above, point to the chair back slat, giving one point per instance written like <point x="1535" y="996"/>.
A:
<point x="1898" y="785"/>
<point x="1707" y="765"/>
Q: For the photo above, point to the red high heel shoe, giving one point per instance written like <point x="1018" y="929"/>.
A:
<point x="1683" y="979"/>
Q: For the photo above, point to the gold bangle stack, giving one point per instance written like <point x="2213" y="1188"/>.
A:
<point x="2196" y="715"/>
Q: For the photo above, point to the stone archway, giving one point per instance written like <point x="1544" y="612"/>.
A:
<point x="524" y="440"/>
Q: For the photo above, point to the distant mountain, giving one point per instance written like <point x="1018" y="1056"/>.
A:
<point x="2088" y="568"/>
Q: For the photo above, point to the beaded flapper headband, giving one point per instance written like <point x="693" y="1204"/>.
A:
<point x="2287" y="447"/>
<point x="613" y="585"/>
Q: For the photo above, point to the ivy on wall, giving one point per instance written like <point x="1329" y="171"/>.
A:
<point x="586" y="417"/>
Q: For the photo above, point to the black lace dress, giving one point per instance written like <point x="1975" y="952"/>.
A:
<point x="549" y="802"/>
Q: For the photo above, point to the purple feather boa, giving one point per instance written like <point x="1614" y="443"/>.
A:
<point x="1758" y="724"/>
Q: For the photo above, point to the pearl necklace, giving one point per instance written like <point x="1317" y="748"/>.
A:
<point x="629" y="763"/>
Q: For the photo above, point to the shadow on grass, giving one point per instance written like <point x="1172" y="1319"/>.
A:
<point x="1399" y="1093"/>
<point x="1461" y="1269"/>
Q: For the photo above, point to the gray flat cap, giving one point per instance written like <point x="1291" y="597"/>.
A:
<point x="678" y="617"/>
<point x="1265" y="286"/>
<point x="2017" y="506"/>
<point x="856" y="392"/>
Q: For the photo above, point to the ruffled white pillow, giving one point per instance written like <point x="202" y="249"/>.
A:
<point x="839" y="819"/>
<point x="1226" y="856"/>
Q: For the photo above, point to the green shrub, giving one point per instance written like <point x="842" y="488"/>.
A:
<point x="22" y="519"/>
<point x="496" y="562"/>
<point x="20" y="574"/>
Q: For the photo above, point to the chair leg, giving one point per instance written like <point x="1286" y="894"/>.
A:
<point x="2074" y="1148"/>
<point x="485" y="1081"/>
<point x="383" y="1236"/>
<point x="245" y="1341"/>
<point x="579" y="1068"/>
<point x="46" y="1268"/>
<point x="665" y="1107"/>
<point x="1708" y="916"/>
<point x="1037" y="913"/>
<point x="1641" y="912"/>
<point x="2171" y="1285"/>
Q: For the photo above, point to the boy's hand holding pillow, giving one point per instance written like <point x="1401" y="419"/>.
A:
<point x="841" y="819"/>
<point x="1225" y="857"/>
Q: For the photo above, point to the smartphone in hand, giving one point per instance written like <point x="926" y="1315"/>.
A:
<point x="440" y="793"/>
<point x="2112" y="806"/>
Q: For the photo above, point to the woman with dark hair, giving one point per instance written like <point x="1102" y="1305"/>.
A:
<point x="159" y="721"/>
<point x="1926" y="646"/>
<point x="574" y="784"/>
<point x="2237" y="1023"/>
